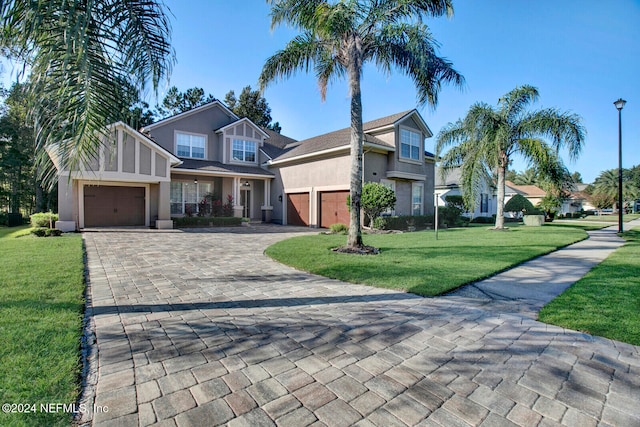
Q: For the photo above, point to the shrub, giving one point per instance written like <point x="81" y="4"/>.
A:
<point x="338" y="228"/>
<point x="44" y="219"/>
<point x="450" y="215"/>
<point x="519" y="203"/>
<point x="46" y="232"/>
<point x="206" y="221"/>
<point x="4" y="218"/>
<point x="483" y="220"/>
<point x="420" y="222"/>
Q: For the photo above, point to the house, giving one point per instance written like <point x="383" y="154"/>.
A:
<point x="180" y="165"/>
<point x="314" y="174"/>
<point x="487" y="203"/>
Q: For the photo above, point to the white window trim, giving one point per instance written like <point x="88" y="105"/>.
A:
<point x="418" y="161"/>
<point x="242" y="138"/>
<point x="413" y="185"/>
<point x="183" y="202"/>
<point x="206" y="143"/>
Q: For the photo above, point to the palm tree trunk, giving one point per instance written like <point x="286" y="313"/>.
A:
<point x="500" y="202"/>
<point x="354" y="237"/>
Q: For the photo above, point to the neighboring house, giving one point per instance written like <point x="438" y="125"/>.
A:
<point x="486" y="204"/>
<point x="314" y="174"/>
<point x="172" y="167"/>
<point x="576" y="202"/>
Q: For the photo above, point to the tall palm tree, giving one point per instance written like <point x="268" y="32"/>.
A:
<point x="339" y="38"/>
<point x="487" y="139"/>
<point x="79" y="54"/>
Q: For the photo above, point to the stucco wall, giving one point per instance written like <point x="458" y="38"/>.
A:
<point x="375" y="166"/>
<point x="203" y="122"/>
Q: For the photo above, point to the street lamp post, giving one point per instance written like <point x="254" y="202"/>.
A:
<point x="620" y="105"/>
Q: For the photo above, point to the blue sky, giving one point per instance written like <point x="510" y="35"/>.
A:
<point x="582" y="55"/>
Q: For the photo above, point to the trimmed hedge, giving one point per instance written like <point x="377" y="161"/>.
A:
<point x="43" y="219"/>
<point x="420" y="222"/>
<point x="46" y="232"/>
<point x="204" y="221"/>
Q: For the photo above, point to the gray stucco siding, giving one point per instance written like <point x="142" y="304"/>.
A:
<point x="374" y="163"/>
<point x="204" y="123"/>
<point x="128" y="154"/>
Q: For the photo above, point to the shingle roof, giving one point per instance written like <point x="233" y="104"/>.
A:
<point x="527" y="190"/>
<point x="452" y="179"/>
<point x="209" y="166"/>
<point x="341" y="137"/>
<point x="275" y="145"/>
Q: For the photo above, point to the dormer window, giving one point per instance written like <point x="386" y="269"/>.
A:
<point x="190" y="145"/>
<point x="410" y="144"/>
<point x="244" y="151"/>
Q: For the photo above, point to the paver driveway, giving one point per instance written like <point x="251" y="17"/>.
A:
<point x="200" y="328"/>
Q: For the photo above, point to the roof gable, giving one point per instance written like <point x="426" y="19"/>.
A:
<point x="196" y="110"/>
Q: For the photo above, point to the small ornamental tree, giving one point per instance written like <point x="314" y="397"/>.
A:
<point x="519" y="203"/>
<point x="376" y="198"/>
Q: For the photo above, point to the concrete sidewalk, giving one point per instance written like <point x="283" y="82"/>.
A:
<point x="526" y="288"/>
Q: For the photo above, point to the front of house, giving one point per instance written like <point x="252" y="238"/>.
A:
<point x="195" y="162"/>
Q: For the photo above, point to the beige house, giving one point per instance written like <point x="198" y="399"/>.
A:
<point x="314" y="174"/>
<point x="188" y="163"/>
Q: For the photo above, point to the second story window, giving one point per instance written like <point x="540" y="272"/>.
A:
<point x="410" y="144"/>
<point x="190" y="145"/>
<point x="244" y="151"/>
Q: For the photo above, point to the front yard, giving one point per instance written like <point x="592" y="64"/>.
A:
<point x="41" y="307"/>
<point x="417" y="263"/>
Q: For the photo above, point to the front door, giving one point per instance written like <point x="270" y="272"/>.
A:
<point x="245" y="201"/>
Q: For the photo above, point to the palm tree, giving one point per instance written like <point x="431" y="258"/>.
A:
<point x="486" y="140"/>
<point x="607" y="184"/>
<point x="339" y="38"/>
<point x="79" y="55"/>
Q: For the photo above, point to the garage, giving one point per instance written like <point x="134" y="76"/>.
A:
<point x="110" y="206"/>
<point x="333" y="208"/>
<point x="298" y="209"/>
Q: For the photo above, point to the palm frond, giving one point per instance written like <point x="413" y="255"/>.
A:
<point x="298" y="13"/>
<point x="564" y="129"/>
<point x="412" y="49"/>
<point x="516" y="101"/>
<point x="299" y="54"/>
<point x="80" y="53"/>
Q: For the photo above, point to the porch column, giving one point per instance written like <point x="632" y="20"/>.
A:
<point x="267" y="209"/>
<point x="66" y="194"/>
<point x="237" y="207"/>
<point x="164" y="206"/>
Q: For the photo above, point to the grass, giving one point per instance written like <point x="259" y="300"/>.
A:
<point x="605" y="302"/>
<point x="417" y="263"/>
<point x="41" y="306"/>
<point x="606" y="218"/>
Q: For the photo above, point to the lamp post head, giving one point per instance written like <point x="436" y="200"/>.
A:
<point x="620" y="104"/>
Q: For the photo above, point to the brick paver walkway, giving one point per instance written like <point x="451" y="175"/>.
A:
<point x="200" y="328"/>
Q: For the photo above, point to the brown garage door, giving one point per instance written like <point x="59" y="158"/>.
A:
<point x="109" y="206"/>
<point x="298" y="209"/>
<point x="333" y="208"/>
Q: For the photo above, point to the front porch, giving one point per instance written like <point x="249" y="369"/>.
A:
<point x="199" y="194"/>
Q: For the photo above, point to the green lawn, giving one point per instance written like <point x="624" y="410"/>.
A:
<point x="605" y="302"/>
<point x="41" y="306"/>
<point x="417" y="263"/>
<point x="606" y="218"/>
